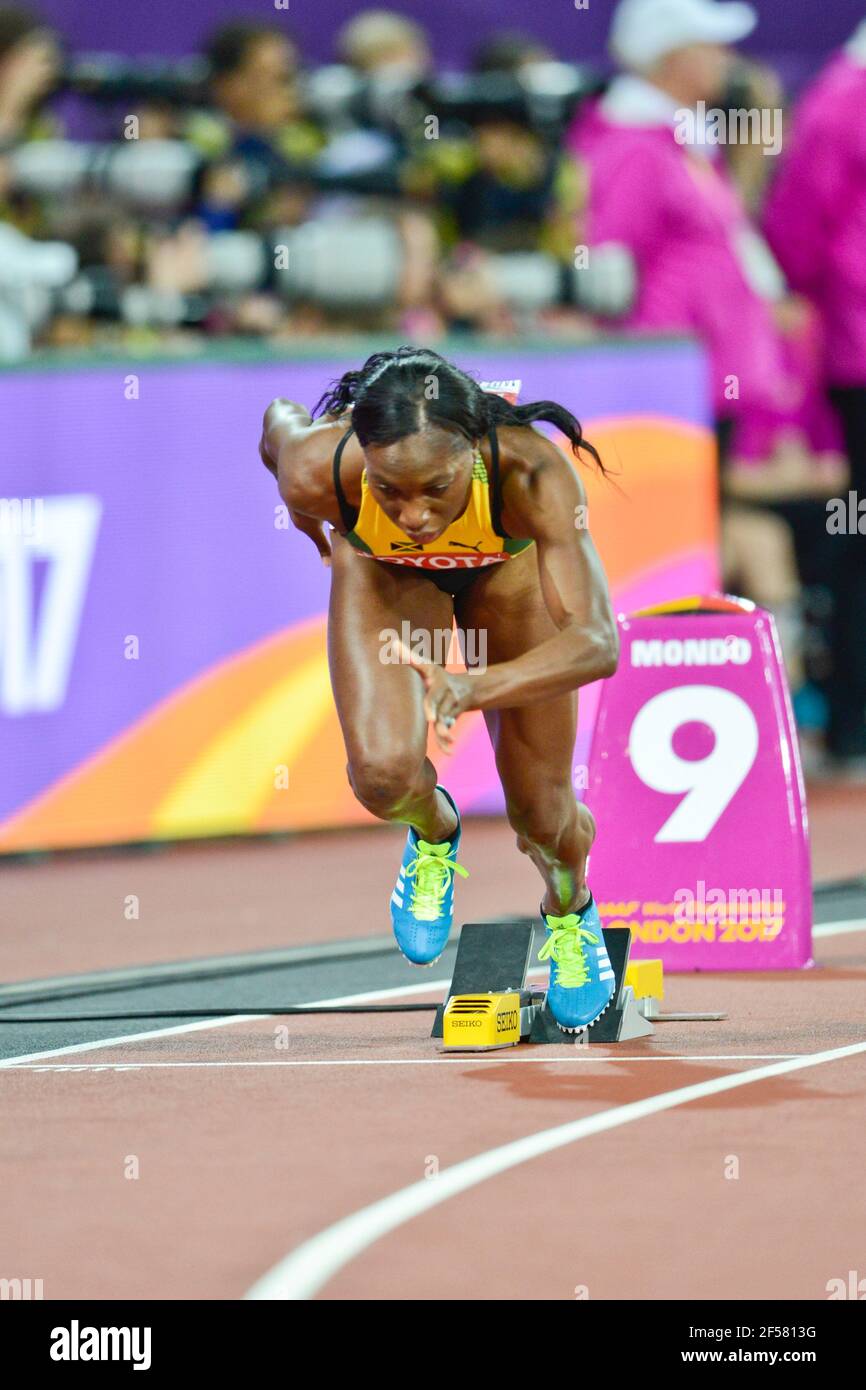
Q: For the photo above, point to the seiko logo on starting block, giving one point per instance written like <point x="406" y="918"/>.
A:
<point x="482" y="1021"/>
<point x="693" y="651"/>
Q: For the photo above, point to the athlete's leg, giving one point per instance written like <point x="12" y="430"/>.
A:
<point x="379" y="703"/>
<point x="533" y="744"/>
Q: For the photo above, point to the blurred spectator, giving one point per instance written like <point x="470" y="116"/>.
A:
<point x="30" y="270"/>
<point x="29" y="64"/>
<point x="382" y="42"/>
<point x="255" y="133"/>
<point x="816" y="221"/>
<point x="752" y="87"/>
<point x="386" y="57"/>
<point x="253" y="78"/>
<point x="665" y="212"/>
<point x="501" y="187"/>
<point x="263" y="200"/>
<point x="509" y="50"/>
<point x="699" y="265"/>
<point x="506" y="200"/>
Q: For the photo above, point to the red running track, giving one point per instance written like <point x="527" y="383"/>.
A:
<point x="246" y="1152"/>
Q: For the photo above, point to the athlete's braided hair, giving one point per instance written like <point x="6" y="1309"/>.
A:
<point x="396" y="393"/>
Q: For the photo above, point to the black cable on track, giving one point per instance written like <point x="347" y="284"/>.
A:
<point x="288" y="1009"/>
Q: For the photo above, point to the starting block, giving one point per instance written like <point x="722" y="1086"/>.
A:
<point x="489" y="1004"/>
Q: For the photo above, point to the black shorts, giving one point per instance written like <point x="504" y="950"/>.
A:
<point x="453" y="581"/>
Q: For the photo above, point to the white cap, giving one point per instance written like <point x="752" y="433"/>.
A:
<point x="643" y="31"/>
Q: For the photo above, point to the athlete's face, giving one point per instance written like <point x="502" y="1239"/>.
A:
<point x="422" y="482"/>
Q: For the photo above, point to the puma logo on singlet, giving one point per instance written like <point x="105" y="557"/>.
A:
<point x="408" y="545"/>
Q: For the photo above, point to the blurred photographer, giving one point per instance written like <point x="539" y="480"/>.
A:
<point x="382" y="43"/>
<point x="505" y="202"/>
<point x="31" y="271"/>
<point x="29" y="66"/>
<point x="253" y="132"/>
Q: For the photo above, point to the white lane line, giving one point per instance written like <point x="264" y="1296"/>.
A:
<point x="126" y="1038"/>
<point x="404" y="991"/>
<point x="308" y="1268"/>
<point x="839" y="928"/>
<point x="370" y="997"/>
<point x="580" y="1057"/>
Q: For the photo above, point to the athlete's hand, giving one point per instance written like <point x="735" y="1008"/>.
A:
<point x="316" y="532"/>
<point x="447" y="694"/>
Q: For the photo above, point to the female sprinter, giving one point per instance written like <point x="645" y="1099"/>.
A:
<point x="444" y="502"/>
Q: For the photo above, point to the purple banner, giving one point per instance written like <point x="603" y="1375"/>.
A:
<point x="140" y="549"/>
<point x="574" y="33"/>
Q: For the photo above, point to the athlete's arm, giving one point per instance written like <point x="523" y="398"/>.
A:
<point x="547" y="503"/>
<point x="287" y="448"/>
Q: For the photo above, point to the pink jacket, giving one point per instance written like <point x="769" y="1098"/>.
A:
<point x="680" y="215"/>
<point x="815" y="217"/>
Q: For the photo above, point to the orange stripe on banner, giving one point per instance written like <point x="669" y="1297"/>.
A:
<point x="668" y="475"/>
<point x="115" y="794"/>
<point x="226" y="786"/>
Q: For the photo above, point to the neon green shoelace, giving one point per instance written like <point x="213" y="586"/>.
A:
<point x="431" y="870"/>
<point x="565" y="947"/>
